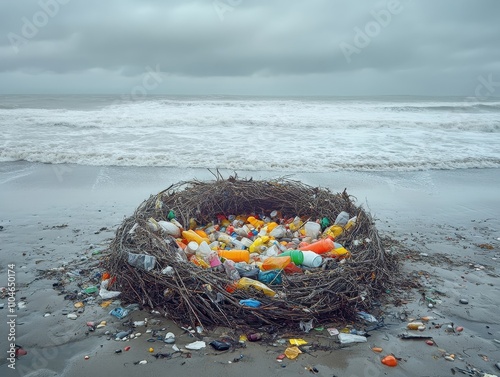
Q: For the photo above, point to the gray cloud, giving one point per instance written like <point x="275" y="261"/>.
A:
<point x="277" y="47"/>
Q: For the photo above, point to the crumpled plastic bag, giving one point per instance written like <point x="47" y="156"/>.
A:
<point x="198" y="345"/>
<point x="144" y="261"/>
<point x="104" y="293"/>
<point x="306" y="326"/>
<point x="251" y="303"/>
<point x="292" y="352"/>
<point x="270" y="277"/>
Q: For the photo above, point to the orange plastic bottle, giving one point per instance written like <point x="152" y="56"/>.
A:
<point x="320" y="247"/>
<point x="275" y="263"/>
<point x="235" y="255"/>
<point x="191" y="235"/>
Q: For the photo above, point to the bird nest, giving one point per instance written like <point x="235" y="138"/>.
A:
<point x="192" y="295"/>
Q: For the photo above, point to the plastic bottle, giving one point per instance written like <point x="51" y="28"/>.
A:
<point x="320" y="247"/>
<point x="278" y="232"/>
<point x="271" y="226"/>
<point x="276" y="263"/>
<point x="312" y="229"/>
<point x="295" y="224"/>
<point x="223" y="237"/>
<point x="338" y="252"/>
<point x="255" y="223"/>
<point x="191" y="235"/>
<point x="296" y="255"/>
<point x="333" y="231"/>
<point x="231" y="271"/>
<point x="256" y="246"/>
<point x="342" y="219"/>
<point x="245" y="283"/>
<point x="235" y="255"/>
<point x="204" y="251"/>
<point x="170" y="228"/>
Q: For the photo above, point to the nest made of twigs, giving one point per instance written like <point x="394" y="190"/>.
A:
<point x="196" y="296"/>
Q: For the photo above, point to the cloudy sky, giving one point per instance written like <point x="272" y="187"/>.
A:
<point x="270" y="47"/>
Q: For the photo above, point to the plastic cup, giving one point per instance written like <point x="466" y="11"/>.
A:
<point x="311" y="259"/>
<point x="296" y="255"/>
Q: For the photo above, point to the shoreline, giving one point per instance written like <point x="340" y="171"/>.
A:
<point x="55" y="213"/>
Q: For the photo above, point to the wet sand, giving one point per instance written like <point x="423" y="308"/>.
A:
<point x="54" y="216"/>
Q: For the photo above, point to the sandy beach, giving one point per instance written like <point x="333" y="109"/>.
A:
<point x="56" y="216"/>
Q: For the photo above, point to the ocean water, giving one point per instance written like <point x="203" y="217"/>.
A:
<point x="309" y="134"/>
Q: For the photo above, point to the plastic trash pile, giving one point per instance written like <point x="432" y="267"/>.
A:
<point x="204" y="253"/>
<point x="252" y="250"/>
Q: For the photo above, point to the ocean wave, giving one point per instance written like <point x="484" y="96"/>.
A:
<point x="289" y="164"/>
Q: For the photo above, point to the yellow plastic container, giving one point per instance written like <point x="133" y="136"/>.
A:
<point x="235" y="255"/>
<point x="256" y="223"/>
<point x="339" y="252"/>
<point x="255" y="247"/>
<point x="201" y="233"/>
<point x="333" y="231"/>
<point x="276" y="263"/>
<point x="271" y="226"/>
<point x="245" y="283"/>
<point x="191" y="235"/>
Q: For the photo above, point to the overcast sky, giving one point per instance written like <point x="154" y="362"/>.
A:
<point x="269" y="47"/>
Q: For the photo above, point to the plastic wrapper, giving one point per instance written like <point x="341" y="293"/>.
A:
<point x="144" y="261"/>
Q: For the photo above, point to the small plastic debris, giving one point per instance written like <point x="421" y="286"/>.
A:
<point x="72" y="316"/>
<point x="429" y="342"/>
<point x="368" y="318"/>
<point x="292" y="352"/>
<point x="105" y="304"/>
<point x="459" y="329"/>
<point x="119" y="313"/>
<point x="464" y="301"/>
<point x="377" y="349"/>
<point x="351" y="338"/>
<point x="306" y="326"/>
<point x="250" y="302"/>
<point x="79" y="304"/>
<point x="104" y="293"/>
<point x="151" y="350"/>
<point x="127" y="348"/>
<point x="169" y="338"/>
<point x="90" y="290"/>
<point x="87" y="357"/>
<point x="333" y="331"/>
<point x="412" y="336"/>
<point x="390" y="361"/>
<point x="142" y="362"/>
<point x="118" y="351"/>
<point x="122" y="334"/>
<point x="414" y="325"/>
<point x="449" y="358"/>
<point x="219" y="345"/>
<point x="297" y="342"/>
<point x="198" y="345"/>
<point x="254" y="337"/>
